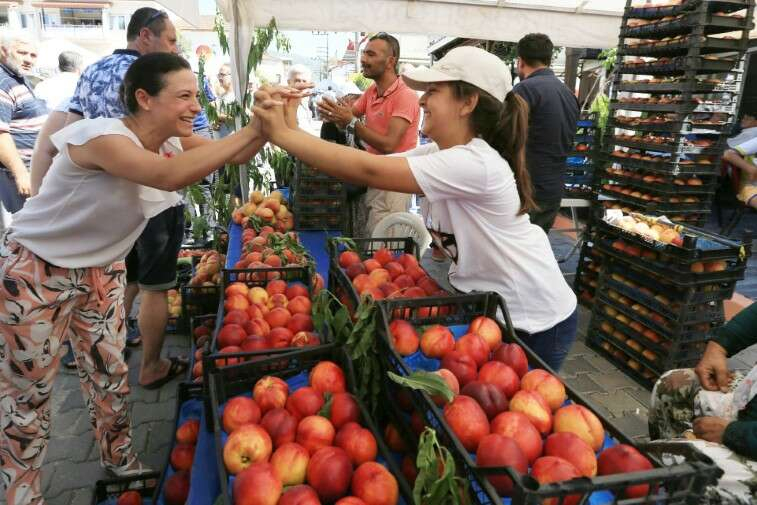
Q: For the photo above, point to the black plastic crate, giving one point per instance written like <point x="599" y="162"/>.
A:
<point x="702" y="206"/>
<point x="186" y="392"/>
<point x="679" y="86"/>
<point x="681" y="481"/>
<point x="669" y="187"/>
<point x="240" y="379"/>
<point x="198" y="300"/>
<point x="705" y="45"/>
<point x="710" y="23"/>
<point x="340" y="283"/>
<point x="667" y="165"/>
<point x="318" y="201"/>
<point x="678" y="108"/>
<point x="201" y="345"/>
<point x="107" y="491"/>
<point x="677" y="145"/>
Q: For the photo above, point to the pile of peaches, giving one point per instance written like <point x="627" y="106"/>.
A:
<point x="509" y="416"/>
<point x="269" y="248"/>
<point x="385" y="275"/>
<point x="696" y="267"/>
<point x="259" y="318"/>
<point x="303" y="446"/>
<point x="208" y="270"/>
<point x="268" y="210"/>
<point x="176" y="486"/>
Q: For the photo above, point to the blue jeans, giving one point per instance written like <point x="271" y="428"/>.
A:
<point x="9" y="195"/>
<point x="553" y="345"/>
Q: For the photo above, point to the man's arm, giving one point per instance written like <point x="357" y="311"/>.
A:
<point x="388" y="143"/>
<point x="73" y="117"/>
<point x="44" y="149"/>
<point x="10" y="159"/>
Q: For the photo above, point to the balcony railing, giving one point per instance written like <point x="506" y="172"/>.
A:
<point x="84" y="31"/>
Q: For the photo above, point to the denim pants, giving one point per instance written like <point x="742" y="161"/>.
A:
<point x="553" y="345"/>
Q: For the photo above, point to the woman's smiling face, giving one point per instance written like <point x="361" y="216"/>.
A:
<point x="441" y="109"/>
<point x="177" y="105"/>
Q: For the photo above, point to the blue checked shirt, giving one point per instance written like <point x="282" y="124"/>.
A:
<point x="97" y="92"/>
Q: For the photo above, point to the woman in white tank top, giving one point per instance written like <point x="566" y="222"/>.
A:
<point x="62" y="268"/>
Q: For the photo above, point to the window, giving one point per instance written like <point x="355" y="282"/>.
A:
<point x="4" y="16"/>
<point x="72" y="17"/>
<point x="27" y="21"/>
<point x="118" y="23"/>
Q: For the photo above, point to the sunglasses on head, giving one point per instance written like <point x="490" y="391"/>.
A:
<point x="154" y="16"/>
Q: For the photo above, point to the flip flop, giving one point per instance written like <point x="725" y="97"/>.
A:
<point x="177" y="369"/>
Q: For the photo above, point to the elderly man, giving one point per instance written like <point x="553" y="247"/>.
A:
<point x="21" y="117"/>
<point x="391" y="114"/>
<point x="300" y="74"/>
<point x="60" y="87"/>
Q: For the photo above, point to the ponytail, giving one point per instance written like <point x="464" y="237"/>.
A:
<point x="505" y="128"/>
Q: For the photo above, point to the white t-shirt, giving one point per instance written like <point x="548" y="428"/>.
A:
<point x="88" y="218"/>
<point x="470" y="209"/>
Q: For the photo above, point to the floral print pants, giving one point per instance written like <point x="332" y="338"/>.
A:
<point x="42" y="306"/>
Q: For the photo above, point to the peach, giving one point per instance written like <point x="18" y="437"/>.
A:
<point x="549" y="469"/>
<point x="279" y="300"/>
<point x="355" y="270"/>
<point x="379" y="276"/>
<point x="236" y="317"/>
<point x="371" y="265"/>
<point x="501" y="375"/>
<point x="344" y="409"/>
<point x="350" y="500"/>
<point x="297" y="289"/>
<point x="360" y="282"/>
<point x="358" y="442"/>
<point x="461" y="364"/>
<point x="581" y="421"/>
<point x="497" y="450"/>
<point x="373" y="484"/>
<point x="408" y="260"/>
<point x="383" y="256"/>
<point x="535" y="407"/>
<point x="270" y="393"/>
<point x="513" y="356"/>
<point x="394" y="269"/>
<point x="245" y="446"/>
<point x="569" y="447"/>
<point x="279" y="338"/>
<point x="188" y="431"/>
<point x="623" y="458"/>
<point x="275" y="287"/>
<point x="304" y="402"/>
<point x="547" y="385"/>
<point x="348" y="258"/>
<point x="327" y="377"/>
<point x="404" y="337"/>
<point x="290" y="463"/>
<point x="305" y="339"/>
<point x="403" y="281"/>
<point x="488" y="329"/>
<point x="300" y="305"/>
<point x="452" y="383"/>
<point x="475" y="346"/>
<point x="182" y="456"/>
<point x="176" y="488"/>
<point x="231" y="334"/>
<point x="237" y="302"/>
<point x="329" y="473"/>
<point x="300" y="322"/>
<point x="278" y="317"/>
<point x="437" y="341"/>
<point x="236" y="288"/>
<point x="239" y="411"/>
<point x="280" y="425"/>
<point x="258" y="295"/>
<point x="518" y="427"/>
<point x="491" y="399"/>
<point x="315" y="432"/>
<point x="467" y="420"/>
<point x="129" y="498"/>
<point x="257" y="485"/>
<point x="389" y="288"/>
<point x="258" y="327"/>
<point x="300" y="494"/>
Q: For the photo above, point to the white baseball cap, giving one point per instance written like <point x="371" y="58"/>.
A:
<point x="468" y="64"/>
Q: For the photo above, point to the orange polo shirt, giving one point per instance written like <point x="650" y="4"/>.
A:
<point x="397" y="101"/>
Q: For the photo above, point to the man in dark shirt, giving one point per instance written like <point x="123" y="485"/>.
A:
<point x="553" y="112"/>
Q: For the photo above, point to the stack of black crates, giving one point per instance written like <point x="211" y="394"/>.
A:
<point x="654" y="305"/>
<point x="673" y="104"/>
<point x="580" y="163"/>
<point x="319" y="201"/>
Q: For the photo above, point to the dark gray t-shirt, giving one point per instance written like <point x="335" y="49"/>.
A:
<point x="553" y="112"/>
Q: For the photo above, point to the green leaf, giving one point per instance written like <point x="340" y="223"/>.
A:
<point x="346" y="241"/>
<point x="430" y="487"/>
<point x="326" y="409"/>
<point x="429" y="382"/>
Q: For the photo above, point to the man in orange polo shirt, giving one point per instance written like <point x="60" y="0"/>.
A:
<point x="390" y="113"/>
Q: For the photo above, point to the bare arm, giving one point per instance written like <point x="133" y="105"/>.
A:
<point x="388" y="143"/>
<point x="10" y="159"/>
<point x="120" y="157"/>
<point x="44" y="150"/>
<point x="73" y="117"/>
<point x="734" y="158"/>
<point x="243" y="156"/>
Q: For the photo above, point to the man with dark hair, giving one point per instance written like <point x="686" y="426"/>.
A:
<point x="151" y="265"/>
<point x="391" y="113"/>
<point x="59" y="88"/>
<point x="553" y="112"/>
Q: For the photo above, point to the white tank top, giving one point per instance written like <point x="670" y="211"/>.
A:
<point x="88" y="218"/>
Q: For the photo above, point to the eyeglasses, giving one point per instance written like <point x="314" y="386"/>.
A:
<point x="156" y="15"/>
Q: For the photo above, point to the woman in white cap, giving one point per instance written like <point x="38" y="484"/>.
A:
<point x="476" y="185"/>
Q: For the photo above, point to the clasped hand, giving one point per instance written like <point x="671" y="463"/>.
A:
<point x="275" y="107"/>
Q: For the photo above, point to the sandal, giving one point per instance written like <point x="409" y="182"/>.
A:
<point x="132" y="470"/>
<point x="178" y="368"/>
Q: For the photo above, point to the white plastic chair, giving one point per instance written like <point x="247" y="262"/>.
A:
<point x="404" y="224"/>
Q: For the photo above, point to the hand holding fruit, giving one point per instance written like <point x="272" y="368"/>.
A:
<point x="712" y="369"/>
<point x="710" y="428"/>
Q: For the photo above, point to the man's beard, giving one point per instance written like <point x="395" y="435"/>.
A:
<point x="15" y="65"/>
